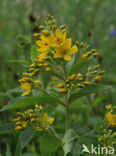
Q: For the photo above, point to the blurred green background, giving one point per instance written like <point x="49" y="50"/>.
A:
<point x="91" y="21"/>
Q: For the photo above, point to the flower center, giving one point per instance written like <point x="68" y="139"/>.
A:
<point x="64" y="51"/>
<point x="58" y="39"/>
<point x="46" y="44"/>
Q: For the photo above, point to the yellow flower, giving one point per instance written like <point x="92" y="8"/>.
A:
<point x="42" y="57"/>
<point x="98" y="78"/>
<point x="18" y="123"/>
<point x="16" y="119"/>
<point x="49" y="120"/>
<point x="45" y="32"/>
<point x="84" y="56"/>
<point x="64" y="50"/>
<point x="24" y="79"/>
<point x="60" y="85"/>
<point x="24" y="124"/>
<point x="31" y="114"/>
<point x="79" y="75"/>
<point x="109" y="106"/>
<point x="27" y="87"/>
<point x="87" y="82"/>
<point x="58" y="38"/>
<point x="44" y="44"/>
<point x="48" y="69"/>
<point x="72" y="77"/>
<point x="37" y="82"/>
<point x="111" y="119"/>
<point x="54" y="27"/>
<point x="40" y="107"/>
<point x="63" y="90"/>
<point x="33" y="119"/>
<point x="32" y="74"/>
<point x="18" y="128"/>
<point x="67" y="85"/>
<point x="108" y="146"/>
<point x="80" y="85"/>
<point x="96" y="54"/>
<point x="39" y="129"/>
<point x="36" y="34"/>
<point x="30" y="110"/>
<point x="88" y="53"/>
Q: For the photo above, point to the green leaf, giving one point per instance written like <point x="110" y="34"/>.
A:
<point x="15" y="90"/>
<point x="78" y="66"/>
<point x="88" y="90"/>
<point x="18" y="151"/>
<point x="68" y="141"/>
<point x="26" y="136"/>
<point x="30" y="154"/>
<point x="34" y="52"/>
<point x="70" y="63"/>
<point x="8" y="152"/>
<point x="48" y="144"/>
<point x="19" y="61"/>
<point x="7" y="128"/>
<point x="99" y="100"/>
<point x="20" y="102"/>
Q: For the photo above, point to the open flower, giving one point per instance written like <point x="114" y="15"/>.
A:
<point x="58" y="38"/>
<point x="42" y="57"/>
<point x="44" y="44"/>
<point x="27" y="87"/>
<point x="48" y="120"/>
<point x="111" y="119"/>
<point x="64" y="50"/>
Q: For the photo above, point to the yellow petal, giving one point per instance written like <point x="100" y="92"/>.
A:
<point x="67" y="57"/>
<point x="45" y="116"/>
<point x="38" y="42"/>
<point x="39" y="129"/>
<point x="51" y="120"/>
<point x="73" y="50"/>
<point x="58" y="33"/>
<point x="43" y="50"/>
<point x="64" y="36"/>
<point x="58" y="55"/>
<point x="27" y="87"/>
<point x="67" y="43"/>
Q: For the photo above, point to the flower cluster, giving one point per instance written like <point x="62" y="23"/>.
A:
<point x="53" y="42"/>
<point x="29" y="80"/>
<point x="110" y="118"/>
<point x="107" y="139"/>
<point x="52" y="45"/>
<point x="91" y="53"/>
<point x="93" y="75"/>
<point x="107" y="135"/>
<point x="34" y="118"/>
<point x="54" y="48"/>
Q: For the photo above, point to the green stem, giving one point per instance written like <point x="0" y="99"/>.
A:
<point x="67" y="116"/>
<point x="66" y="101"/>
<point x="55" y="134"/>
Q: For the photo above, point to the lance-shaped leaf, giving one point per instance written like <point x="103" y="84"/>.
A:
<point x="88" y="90"/>
<point x="78" y="66"/>
<point x="18" y="151"/>
<point x="8" y="152"/>
<point x="34" y="52"/>
<point x="68" y="141"/>
<point x="25" y="62"/>
<point x="29" y="100"/>
<point x="26" y="136"/>
<point x="70" y="63"/>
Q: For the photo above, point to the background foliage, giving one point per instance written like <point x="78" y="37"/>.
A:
<point x="91" y="21"/>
